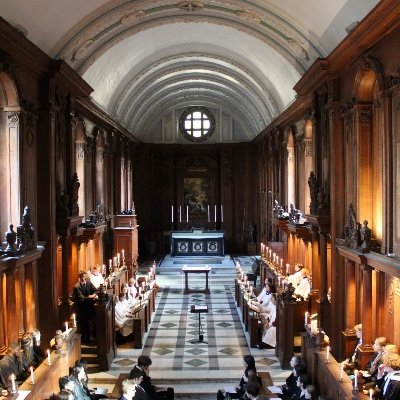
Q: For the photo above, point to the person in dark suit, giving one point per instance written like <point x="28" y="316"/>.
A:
<point x="128" y="390"/>
<point x="136" y="376"/>
<point x="388" y="381"/>
<point x="153" y="392"/>
<point x="84" y="294"/>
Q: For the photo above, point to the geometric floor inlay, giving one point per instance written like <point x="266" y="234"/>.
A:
<point x="229" y="351"/>
<point x="124" y="362"/>
<point x="195" y="362"/>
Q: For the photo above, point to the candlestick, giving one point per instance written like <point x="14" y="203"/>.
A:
<point x="48" y="358"/>
<point x="187" y="213"/>
<point x="172" y="213"/>
<point x="355" y="379"/>
<point x="327" y="353"/>
<point x="222" y="213"/>
<point x="66" y="327"/>
<point x="13" y="387"/>
<point x="180" y="214"/>
<point x="341" y="371"/>
<point x="287" y="269"/>
<point x="32" y="376"/>
<point x="305" y="318"/>
<point x="208" y="213"/>
<point x="215" y="213"/>
<point x="74" y="319"/>
<point x="370" y="394"/>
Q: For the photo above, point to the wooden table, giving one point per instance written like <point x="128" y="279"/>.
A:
<point x="196" y="270"/>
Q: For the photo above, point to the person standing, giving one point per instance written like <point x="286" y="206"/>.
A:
<point x="84" y="295"/>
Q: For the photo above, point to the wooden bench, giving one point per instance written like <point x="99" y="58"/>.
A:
<point x="266" y="381"/>
<point x="117" y="390"/>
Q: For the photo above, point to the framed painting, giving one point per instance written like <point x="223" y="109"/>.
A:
<point x="196" y="193"/>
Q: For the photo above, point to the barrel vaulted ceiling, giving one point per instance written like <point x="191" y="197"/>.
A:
<point x="146" y="59"/>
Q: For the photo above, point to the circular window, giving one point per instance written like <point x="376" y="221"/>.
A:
<point x="197" y="124"/>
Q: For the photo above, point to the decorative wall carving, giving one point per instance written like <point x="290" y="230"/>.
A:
<point x="352" y="229"/>
<point x="290" y="154"/>
<point x="80" y="149"/>
<point x="13" y="119"/>
<point x="308" y="148"/>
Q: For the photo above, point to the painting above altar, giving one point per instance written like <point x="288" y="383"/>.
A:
<point x="197" y="195"/>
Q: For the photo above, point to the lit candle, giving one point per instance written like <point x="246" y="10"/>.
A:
<point x="355" y="379"/>
<point x="66" y="327"/>
<point x="172" y="213"/>
<point x="215" y="213"/>
<point x="279" y="281"/>
<point x="327" y="353"/>
<point x="370" y="394"/>
<point x="110" y="261"/>
<point x="74" y="319"/>
<point x="118" y="258"/>
<point x="48" y="357"/>
<point x="32" y="377"/>
<point x="287" y="269"/>
<point x="341" y="371"/>
<point x="281" y="263"/>
<point x="208" y="213"/>
<point x="123" y="251"/>
<point x="222" y="213"/>
<point x="180" y="214"/>
<point x="13" y="387"/>
<point x="115" y="261"/>
<point x="305" y="318"/>
<point x="187" y="213"/>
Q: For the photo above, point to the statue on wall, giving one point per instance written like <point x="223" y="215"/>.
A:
<point x="365" y="236"/>
<point x="74" y="192"/>
<point x="312" y="183"/>
<point x="252" y="233"/>
<point x="26" y="233"/>
<point x="351" y="229"/>
<point x="11" y="237"/>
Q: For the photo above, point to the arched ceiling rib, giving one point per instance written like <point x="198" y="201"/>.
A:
<point x="143" y="57"/>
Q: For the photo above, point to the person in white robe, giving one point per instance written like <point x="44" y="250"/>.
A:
<point x="295" y="278"/>
<point x="269" y="336"/>
<point x="304" y="288"/>
<point x="132" y="291"/>
<point x="123" y="318"/>
<point x="96" y="277"/>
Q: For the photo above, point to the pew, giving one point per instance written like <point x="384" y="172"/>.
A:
<point x="46" y="376"/>
<point x="326" y="375"/>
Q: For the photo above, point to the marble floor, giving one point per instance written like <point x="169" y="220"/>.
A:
<point x="195" y="370"/>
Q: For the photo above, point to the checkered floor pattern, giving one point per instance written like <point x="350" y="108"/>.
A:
<point x="202" y="367"/>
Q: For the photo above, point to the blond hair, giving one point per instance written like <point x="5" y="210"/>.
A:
<point x="391" y="349"/>
<point x="391" y="361"/>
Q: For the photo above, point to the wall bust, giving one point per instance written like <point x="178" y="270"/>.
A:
<point x="197" y="124"/>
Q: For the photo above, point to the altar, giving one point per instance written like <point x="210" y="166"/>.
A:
<point x="197" y="242"/>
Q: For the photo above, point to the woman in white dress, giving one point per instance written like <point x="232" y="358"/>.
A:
<point x="268" y="340"/>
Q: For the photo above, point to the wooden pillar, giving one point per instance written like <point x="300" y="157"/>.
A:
<point x="324" y="267"/>
<point x="350" y="290"/>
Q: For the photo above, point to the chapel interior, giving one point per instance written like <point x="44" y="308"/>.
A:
<point x="287" y="117"/>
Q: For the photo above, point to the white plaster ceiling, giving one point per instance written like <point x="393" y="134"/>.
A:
<point x="145" y="58"/>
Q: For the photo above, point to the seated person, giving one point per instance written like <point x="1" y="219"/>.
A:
<point x="298" y="368"/>
<point x="302" y="382"/>
<point x="373" y="364"/>
<point x="351" y="363"/>
<point x="388" y="378"/>
<point x="38" y="354"/>
<point x="27" y="349"/>
<point x="13" y="363"/>
<point x="123" y="320"/>
<point x="311" y="392"/>
<point x="268" y="340"/>
<point x="65" y="395"/>
<point x="153" y="392"/>
<point x="96" y="277"/>
<point x="128" y="390"/>
<point x="295" y="278"/>
<point x="80" y="390"/>
<point x="303" y="289"/>
<point x="252" y="391"/>
<point x="136" y="376"/>
<point x="132" y="290"/>
<point x="250" y="364"/>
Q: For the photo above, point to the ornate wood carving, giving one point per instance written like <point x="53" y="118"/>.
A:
<point x="13" y="119"/>
<point x="322" y="100"/>
<point x="352" y="229"/>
